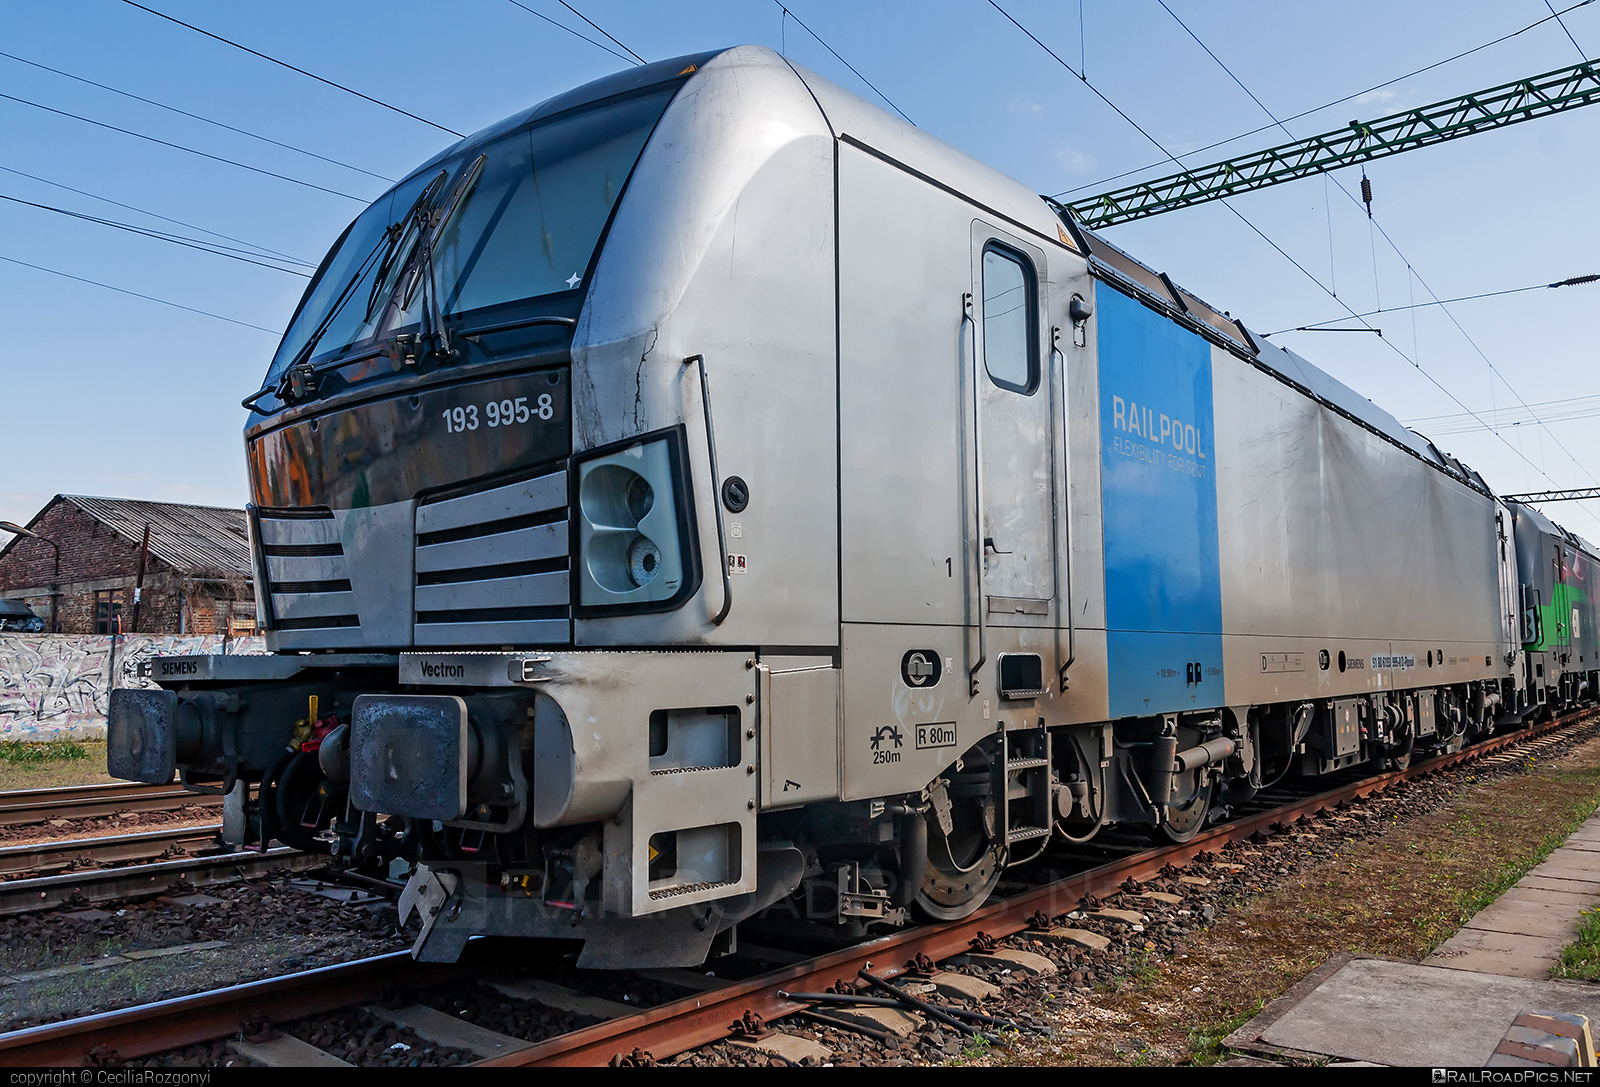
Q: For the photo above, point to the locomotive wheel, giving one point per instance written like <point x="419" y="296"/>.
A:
<point x="959" y="879"/>
<point x="1399" y="756"/>
<point x="965" y="865"/>
<point x="1186" y="812"/>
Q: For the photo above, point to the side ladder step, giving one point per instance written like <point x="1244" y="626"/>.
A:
<point x="1023" y="834"/>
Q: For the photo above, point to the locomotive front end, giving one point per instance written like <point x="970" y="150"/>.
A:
<point x="489" y="559"/>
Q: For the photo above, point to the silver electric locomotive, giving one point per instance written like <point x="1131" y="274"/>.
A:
<point x="705" y="492"/>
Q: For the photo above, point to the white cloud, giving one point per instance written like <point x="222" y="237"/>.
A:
<point x="1075" y="162"/>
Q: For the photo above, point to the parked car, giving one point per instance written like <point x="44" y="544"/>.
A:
<point x="17" y="617"/>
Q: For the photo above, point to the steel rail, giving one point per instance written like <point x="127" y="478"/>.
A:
<point x="671" y="1028"/>
<point x="705" y="1017"/>
<point x="141" y="880"/>
<point x="168" y="1024"/>
<point x="122" y="847"/>
<point x="85" y="801"/>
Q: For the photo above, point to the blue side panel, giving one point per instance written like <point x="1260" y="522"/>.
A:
<point x="1158" y="494"/>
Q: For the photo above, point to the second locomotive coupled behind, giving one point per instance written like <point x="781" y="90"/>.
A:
<point x="705" y="490"/>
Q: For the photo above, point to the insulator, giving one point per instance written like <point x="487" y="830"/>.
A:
<point x="1366" y="193"/>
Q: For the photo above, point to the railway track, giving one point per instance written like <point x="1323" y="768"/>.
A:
<point x="51" y="857"/>
<point x="86" y="801"/>
<point x="704" y="1016"/>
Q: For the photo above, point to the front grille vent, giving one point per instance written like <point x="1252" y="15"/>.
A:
<point x="493" y="566"/>
<point x="307" y="575"/>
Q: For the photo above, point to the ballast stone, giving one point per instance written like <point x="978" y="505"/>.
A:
<point x="963" y="986"/>
<point x="1080" y="937"/>
<point x="442" y="1029"/>
<point x="1126" y="917"/>
<point x="787" y="1046"/>
<point x="1009" y="958"/>
<point x="1162" y="897"/>
<point x="561" y="998"/>
<point x="901" y="1024"/>
<point x="287" y="1051"/>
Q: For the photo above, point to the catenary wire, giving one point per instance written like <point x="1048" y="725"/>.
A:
<point x="602" y="30"/>
<point x="1411" y="269"/>
<point x="569" y="30"/>
<point x="1575" y="281"/>
<point x="1259" y="233"/>
<point x="1325" y="105"/>
<point x="846" y="63"/>
<point x="182" y="147"/>
<point x="158" y="235"/>
<point x="194" y="116"/>
<point x="292" y="68"/>
<point x="136" y="294"/>
<point x="155" y="215"/>
<point x="1562" y="23"/>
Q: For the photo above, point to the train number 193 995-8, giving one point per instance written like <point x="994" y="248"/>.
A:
<point x="498" y="413"/>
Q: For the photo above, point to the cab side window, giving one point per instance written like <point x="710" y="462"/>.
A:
<point x="1010" y="324"/>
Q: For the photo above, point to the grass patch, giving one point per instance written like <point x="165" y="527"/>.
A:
<point x="51" y="764"/>
<point x="34" y="752"/>
<point x="1580" y="959"/>
<point x="1579" y="805"/>
<point x="1205" y="1043"/>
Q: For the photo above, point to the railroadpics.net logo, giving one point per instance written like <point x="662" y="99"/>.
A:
<point x="111" y="1077"/>
<point x="1521" y="1075"/>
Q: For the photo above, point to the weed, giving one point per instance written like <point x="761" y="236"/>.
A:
<point x="26" y="752"/>
<point x="1205" y="1043"/>
<point x="977" y="1046"/>
<point x="1581" y="958"/>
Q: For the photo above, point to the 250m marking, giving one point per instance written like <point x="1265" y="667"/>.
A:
<point x="498" y="413"/>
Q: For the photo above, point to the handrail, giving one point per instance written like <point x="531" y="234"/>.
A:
<point x="1061" y="525"/>
<point x="977" y="497"/>
<point x="716" y="487"/>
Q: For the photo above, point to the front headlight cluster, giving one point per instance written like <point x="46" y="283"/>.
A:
<point x="634" y="539"/>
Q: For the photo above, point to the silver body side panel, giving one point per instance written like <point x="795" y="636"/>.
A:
<point x="723" y="247"/>
<point x="1333" y="539"/>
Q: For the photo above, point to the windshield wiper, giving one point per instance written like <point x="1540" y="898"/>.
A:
<point x="433" y="332"/>
<point x="299" y="379"/>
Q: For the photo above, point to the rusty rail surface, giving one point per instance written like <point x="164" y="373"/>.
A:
<point x="143" y="880"/>
<point x="145" y="845"/>
<point x="670" y="1028"/>
<point x="705" y="1017"/>
<point x="85" y="801"/>
<point x="203" y="1017"/>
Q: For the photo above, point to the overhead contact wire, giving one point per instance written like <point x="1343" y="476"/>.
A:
<point x="164" y="218"/>
<point x="1575" y="281"/>
<point x="846" y="63"/>
<point x="1326" y="105"/>
<point x="569" y="30"/>
<point x="1259" y="233"/>
<point x="1372" y="224"/>
<point x="292" y="68"/>
<point x="182" y="147"/>
<point x="602" y="30"/>
<point x="136" y="294"/>
<point x="161" y="236"/>
<point x="194" y="116"/>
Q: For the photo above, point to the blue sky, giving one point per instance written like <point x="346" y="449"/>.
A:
<point x="108" y="394"/>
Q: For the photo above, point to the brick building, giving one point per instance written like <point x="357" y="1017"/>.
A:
<point x="197" y="575"/>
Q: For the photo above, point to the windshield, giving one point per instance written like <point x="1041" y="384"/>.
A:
<point x="527" y="227"/>
<point x="348" y="278"/>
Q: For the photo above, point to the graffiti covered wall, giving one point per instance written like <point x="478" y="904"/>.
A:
<point x="57" y="685"/>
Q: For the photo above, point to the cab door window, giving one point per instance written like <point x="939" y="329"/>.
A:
<point x="1010" y="324"/>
